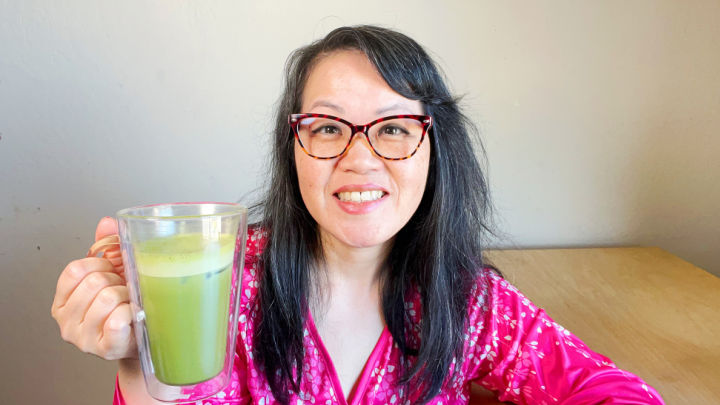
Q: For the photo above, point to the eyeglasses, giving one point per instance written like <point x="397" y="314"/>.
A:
<point x="396" y="137"/>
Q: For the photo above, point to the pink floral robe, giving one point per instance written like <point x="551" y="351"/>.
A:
<point x="511" y="347"/>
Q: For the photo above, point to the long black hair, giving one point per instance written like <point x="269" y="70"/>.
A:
<point x="438" y="253"/>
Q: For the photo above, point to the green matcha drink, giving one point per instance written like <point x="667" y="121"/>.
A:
<point x="185" y="290"/>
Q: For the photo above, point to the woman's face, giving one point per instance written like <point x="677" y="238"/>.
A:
<point x="346" y="84"/>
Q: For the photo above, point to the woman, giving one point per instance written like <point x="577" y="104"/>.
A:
<point x="365" y="281"/>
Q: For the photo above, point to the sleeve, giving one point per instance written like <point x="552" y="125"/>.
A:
<point x="117" y="397"/>
<point x="516" y="350"/>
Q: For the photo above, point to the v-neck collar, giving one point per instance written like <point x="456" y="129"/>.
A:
<point x="363" y="379"/>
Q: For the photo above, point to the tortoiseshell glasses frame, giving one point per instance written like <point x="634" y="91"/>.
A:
<point x="425" y="122"/>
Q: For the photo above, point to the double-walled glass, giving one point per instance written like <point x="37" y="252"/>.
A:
<point x="183" y="264"/>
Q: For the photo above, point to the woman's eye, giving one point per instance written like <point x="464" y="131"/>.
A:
<point x="327" y="130"/>
<point x="392" y="130"/>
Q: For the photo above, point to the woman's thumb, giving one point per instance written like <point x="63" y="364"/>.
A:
<point x="106" y="226"/>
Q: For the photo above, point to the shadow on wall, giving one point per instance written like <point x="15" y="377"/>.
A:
<point x="675" y="186"/>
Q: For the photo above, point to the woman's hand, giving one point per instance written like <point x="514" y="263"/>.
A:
<point x="92" y="305"/>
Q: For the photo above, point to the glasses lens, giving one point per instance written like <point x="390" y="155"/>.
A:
<point x="396" y="138"/>
<point x="323" y="137"/>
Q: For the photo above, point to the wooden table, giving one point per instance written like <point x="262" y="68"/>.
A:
<point x="652" y="313"/>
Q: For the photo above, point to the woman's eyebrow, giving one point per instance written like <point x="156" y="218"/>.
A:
<point x="325" y="103"/>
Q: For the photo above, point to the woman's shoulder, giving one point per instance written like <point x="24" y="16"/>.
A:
<point x="487" y="290"/>
<point x="256" y="238"/>
<point x="491" y="291"/>
<point x="250" y="273"/>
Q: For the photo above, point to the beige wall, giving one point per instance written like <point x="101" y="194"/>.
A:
<point x="603" y="124"/>
<point x="601" y="120"/>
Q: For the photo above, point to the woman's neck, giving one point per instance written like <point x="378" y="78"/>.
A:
<point x="347" y="275"/>
<point x="349" y="264"/>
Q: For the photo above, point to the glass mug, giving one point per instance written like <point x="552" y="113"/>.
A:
<point x="183" y="273"/>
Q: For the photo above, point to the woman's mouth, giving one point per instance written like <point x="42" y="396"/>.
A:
<point x="360" y="196"/>
<point x="358" y="199"/>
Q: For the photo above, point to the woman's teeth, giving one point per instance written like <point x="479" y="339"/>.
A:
<point x="360" y="196"/>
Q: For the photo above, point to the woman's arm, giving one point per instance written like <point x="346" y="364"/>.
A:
<point x="519" y="352"/>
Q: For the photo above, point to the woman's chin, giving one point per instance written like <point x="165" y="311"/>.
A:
<point x="364" y="241"/>
<point x="360" y="238"/>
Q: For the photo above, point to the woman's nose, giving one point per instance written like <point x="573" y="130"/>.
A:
<point x="359" y="155"/>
